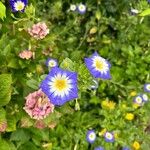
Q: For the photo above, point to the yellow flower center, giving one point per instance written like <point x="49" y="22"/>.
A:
<point x="99" y="65"/>
<point x="60" y="84"/>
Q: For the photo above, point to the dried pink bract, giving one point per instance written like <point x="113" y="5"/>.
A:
<point x="38" y="106"/>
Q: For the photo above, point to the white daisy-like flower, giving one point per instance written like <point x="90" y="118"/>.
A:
<point x="19" y="5"/>
<point x="73" y="7"/>
<point x="81" y="9"/>
<point x="145" y="97"/>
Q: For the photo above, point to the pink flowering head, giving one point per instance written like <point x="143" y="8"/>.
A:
<point x="26" y="54"/>
<point x="3" y="126"/>
<point x="39" y="30"/>
<point x="38" y="106"/>
<point x="40" y="124"/>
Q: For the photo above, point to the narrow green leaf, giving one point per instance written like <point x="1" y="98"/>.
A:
<point x="145" y="13"/>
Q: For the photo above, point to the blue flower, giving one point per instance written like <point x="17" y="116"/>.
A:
<point x="109" y="137"/>
<point x="18" y="5"/>
<point x="125" y="148"/>
<point x="60" y="86"/>
<point x="50" y="62"/>
<point x="81" y="9"/>
<point x="91" y="136"/>
<point x="147" y="87"/>
<point x="138" y="100"/>
<point x="99" y="148"/>
<point x="98" y="66"/>
<point x="144" y="97"/>
<point x="148" y="1"/>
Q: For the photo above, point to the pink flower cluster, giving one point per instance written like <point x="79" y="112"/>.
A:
<point x="37" y="105"/>
<point x="3" y="126"/>
<point x="26" y="54"/>
<point x="39" y="30"/>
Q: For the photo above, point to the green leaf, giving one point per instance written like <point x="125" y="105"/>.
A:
<point x="30" y="11"/>
<point x="28" y="145"/>
<point x="13" y="63"/>
<point x="145" y="13"/>
<point x="11" y="123"/>
<point x="67" y="64"/>
<point x="5" y="89"/>
<point x="4" y="145"/>
<point x="2" y="11"/>
<point x="2" y="115"/>
<point x="20" y="135"/>
<point x="6" y="50"/>
<point x="33" y="84"/>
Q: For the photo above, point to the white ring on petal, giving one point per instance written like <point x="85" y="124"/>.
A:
<point x="109" y="136"/>
<point x="145" y="97"/>
<point x="148" y="87"/>
<point x="73" y="7"/>
<point x="92" y="136"/>
<point x="52" y="63"/>
<point x="56" y="82"/>
<point x="82" y="8"/>
<point x="138" y="100"/>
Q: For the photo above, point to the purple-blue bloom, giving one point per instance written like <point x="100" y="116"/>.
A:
<point x="125" y="148"/>
<point x="98" y="66"/>
<point x="81" y="9"/>
<point x="109" y="137"/>
<point x="91" y="136"/>
<point x="50" y="62"/>
<point x="99" y="148"/>
<point x="18" y="5"/>
<point x="60" y="86"/>
<point x="147" y="87"/>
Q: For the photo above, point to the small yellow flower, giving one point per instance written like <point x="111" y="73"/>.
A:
<point x="124" y="106"/>
<point x="136" y="105"/>
<point x="102" y="132"/>
<point x="108" y="104"/>
<point x="116" y="135"/>
<point x="104" y="103"/>
<point x="133" y="93"/>
<point x="136" y="145"/>
<point x="129" y="116"/>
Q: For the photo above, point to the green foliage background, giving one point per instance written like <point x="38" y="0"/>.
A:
<point x="107" y="27"/>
